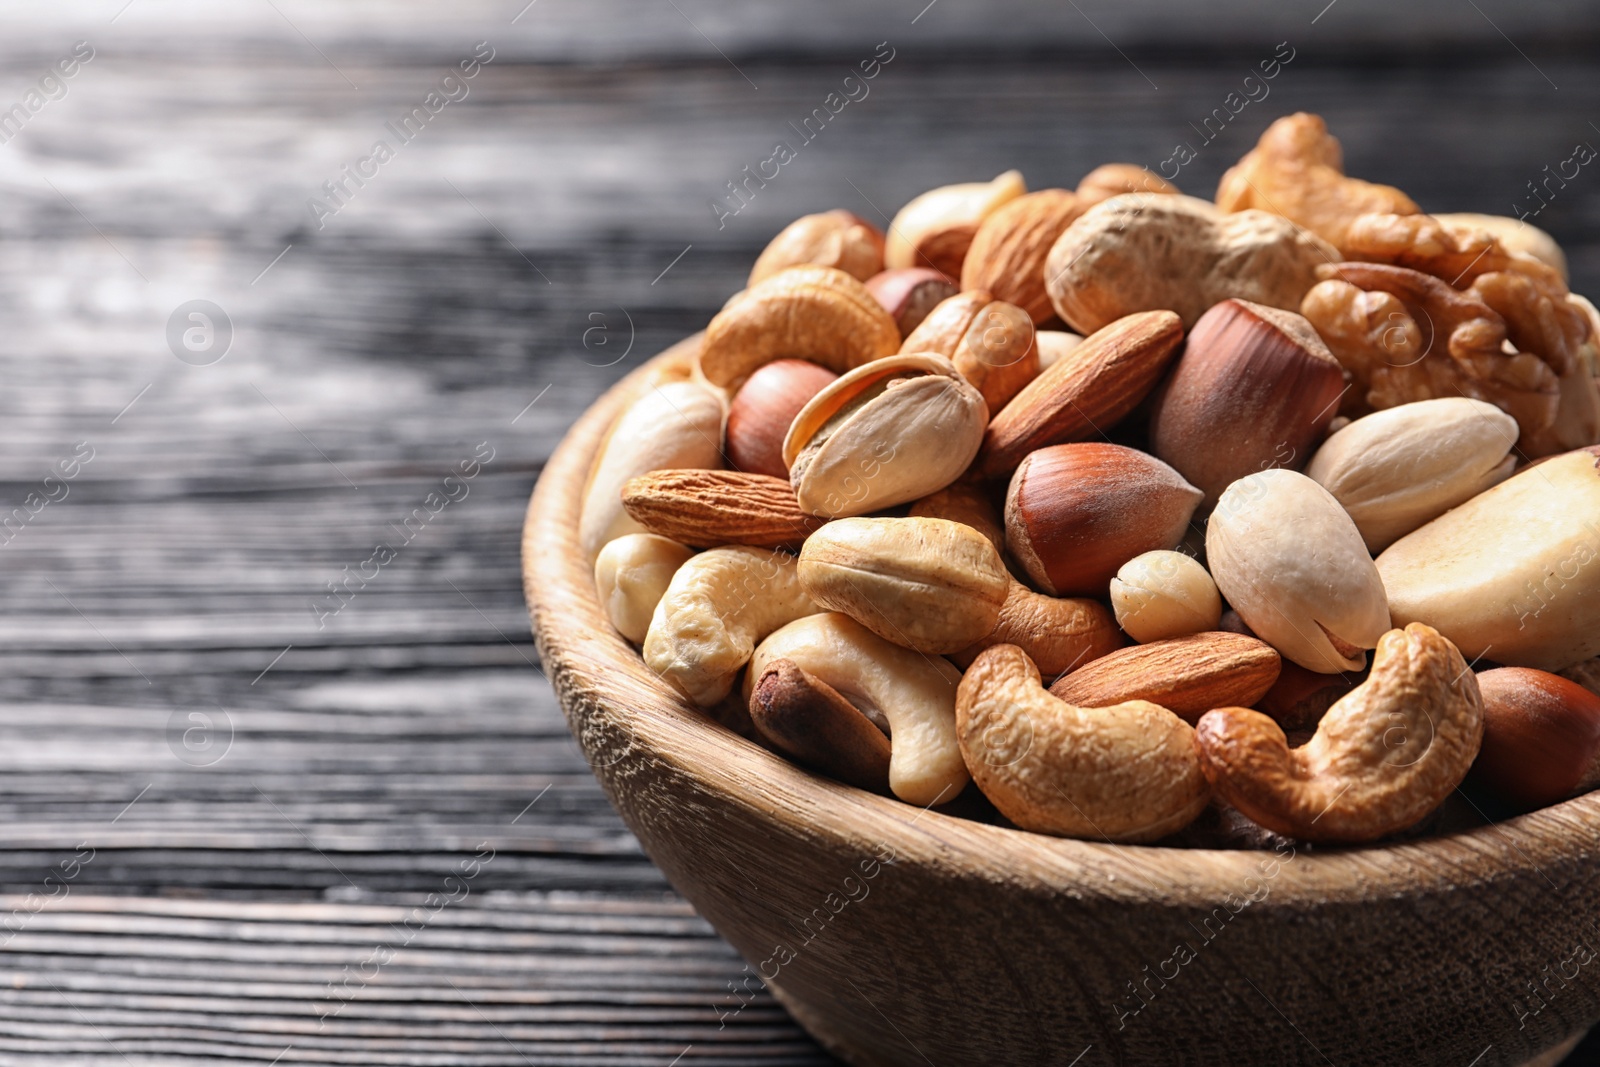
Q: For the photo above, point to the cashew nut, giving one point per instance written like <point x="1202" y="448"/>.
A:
<point x="1058" y="633"/>
<point x="1384" y="756"/>
<point x="914" y="694"/>
<point x="717" y="608"/>
<point x="677" y="424"/>
<point x="932" y="585"/>
<point x="1297" y="170"/>
<point x="806" y="312"/>
<point x="631" y="574"/>
<point x="1127" y="773"/>
<point x="834" y="238"/>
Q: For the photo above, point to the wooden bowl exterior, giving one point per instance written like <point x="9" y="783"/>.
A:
<point x="975" y="944"/>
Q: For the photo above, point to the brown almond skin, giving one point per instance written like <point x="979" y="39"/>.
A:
<point x="761" y="411"/>
<point x="1298" y="698"/>
<point x="705" y="509"/>
<point x="807" y="720"/>
<point x="1187" y="675"/>
<point x="1541" y="737"/>
<point x="1255" y="388"/>
<point x="1007" y="255"/>
<point x="909" y="293"/>
<point x="1075" y="513"/>
<point x="1085" y="392"/>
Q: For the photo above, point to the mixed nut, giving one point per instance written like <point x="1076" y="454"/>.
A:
<point x="1097" y="499"/>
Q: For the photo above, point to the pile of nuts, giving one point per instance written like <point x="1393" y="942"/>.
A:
<point x="1098" y="499"/>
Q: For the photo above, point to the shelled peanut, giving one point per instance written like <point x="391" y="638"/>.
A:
<point x="1101" y="574"/>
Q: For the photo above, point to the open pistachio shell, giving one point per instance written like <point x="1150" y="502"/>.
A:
<point x="886" y="433"/>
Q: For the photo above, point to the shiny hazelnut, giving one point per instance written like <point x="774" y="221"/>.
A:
<point x="909" y="293"/>
<point x="1254" y="388"/>
<point x="763" y="408"/>
<point x="1541" y="737"/>
<point x="1075" y="513"/>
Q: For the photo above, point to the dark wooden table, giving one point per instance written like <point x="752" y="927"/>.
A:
<point x="237" y="824"/>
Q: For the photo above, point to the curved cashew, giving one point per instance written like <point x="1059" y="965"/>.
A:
<point x="913" y="693"/>
<point x="1124" y="773"/>
<point x="1058" y="633"/>
<point x="631" y="574"/>
<point x="1297" y="169"/>
<point x="716" y="609"/>
<point x="677" y="424"/>
<point x="836" y="238"/>
<point x="964" y="502"/>
<point x="1384" y="756"/>
<point x="807" y="312"/>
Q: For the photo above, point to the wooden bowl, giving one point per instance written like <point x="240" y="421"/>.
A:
<point x="910" y="937"/>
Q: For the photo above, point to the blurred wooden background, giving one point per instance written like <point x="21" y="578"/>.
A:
<point x="220" y="814"/>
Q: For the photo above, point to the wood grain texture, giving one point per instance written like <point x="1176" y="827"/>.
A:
<point x="380" y="750"/>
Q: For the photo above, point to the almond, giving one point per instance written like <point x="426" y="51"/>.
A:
<point x="1007" y="255"/>
<point x="1187" y="675"/>
<point x="710" y="508"/>
<point x="1086" y="391"/>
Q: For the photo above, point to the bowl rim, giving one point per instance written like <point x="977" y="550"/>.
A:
<point x="617" y="707"/>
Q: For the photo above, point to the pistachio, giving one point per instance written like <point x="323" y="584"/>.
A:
<point x="931" y="585"/>
<point x="1292" y="564"/>
<point x="886" y="433"/>
<point x="1400" y="468"/>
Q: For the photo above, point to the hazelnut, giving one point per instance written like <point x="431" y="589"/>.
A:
<point x="1254" y="389"/>
<point x="936" y="228"/>
<point x="1075" y="513"/>
<point x="762" y="409"/>
<point x="835" y="238"/>
<point x="1541" y="737"/>
<point x="909" y="293"/>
